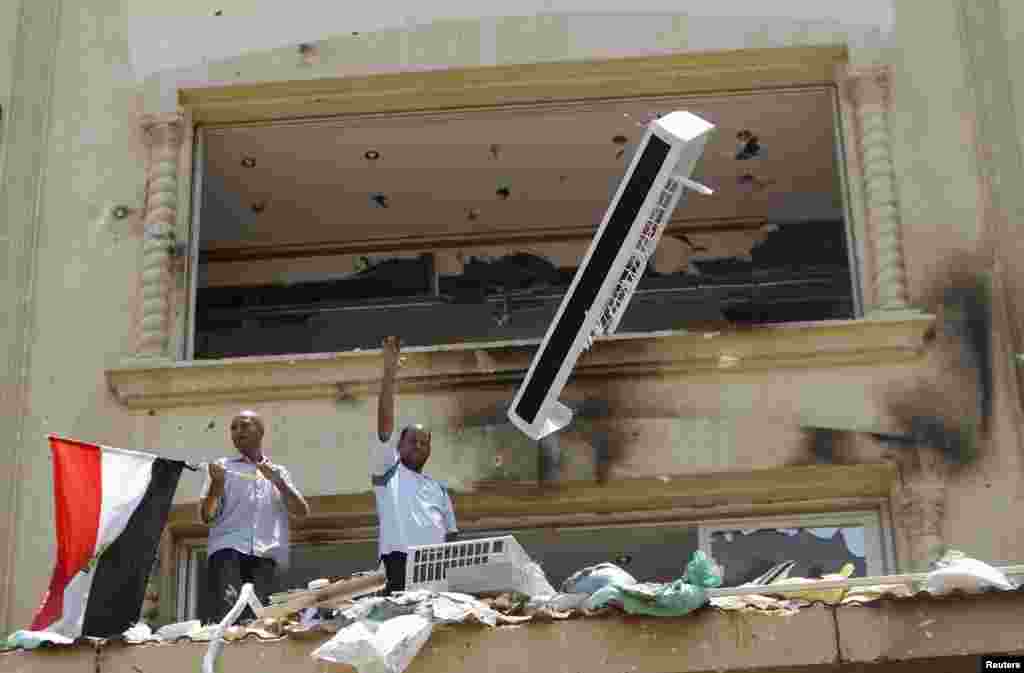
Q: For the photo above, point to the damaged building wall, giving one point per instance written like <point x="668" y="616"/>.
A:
<point x="86" y="299"/>
<point x="8" y="37"/>
<point x="961" y="229"/>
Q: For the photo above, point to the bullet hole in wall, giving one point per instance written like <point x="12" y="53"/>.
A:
<point x="380" y="199"/>
<point x="211" y="425"/>
<point x="503" y="192"/>
<point x="152" y="412"/>
<point x="473" y="215"/>
<point x="259" y="207"/>
<point x="753" y="182"/>
<point x="749" y="146"/>
<point x="371" y="155"/>
<point x="621" y="141"/>
<point x="218" y="12"/>
<point x="248" y="162"/>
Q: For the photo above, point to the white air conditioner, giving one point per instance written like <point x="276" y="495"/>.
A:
<point x="605" y="282"/>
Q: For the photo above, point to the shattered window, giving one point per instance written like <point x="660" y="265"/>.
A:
<point x="649" y="553"/>
<point x="746" y="554"/>
<point x="469" y="226"/>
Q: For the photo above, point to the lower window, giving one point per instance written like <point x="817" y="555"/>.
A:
<point x="656" y="552"/>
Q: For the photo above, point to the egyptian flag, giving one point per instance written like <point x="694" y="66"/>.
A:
<point x="112" y="507"/>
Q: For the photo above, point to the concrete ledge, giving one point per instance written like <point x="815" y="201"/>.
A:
<point x="706" y="641"/>
<point x="77" y="659"/>
<point x="917" y="634"/>
<point x="915" y="628"/>
<point x="754" y="354"/>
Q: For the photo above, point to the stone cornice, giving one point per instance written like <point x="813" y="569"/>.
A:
<point x="518" y="84"/>
<point x="785" y="490"/>
<point x="756" y="353"/>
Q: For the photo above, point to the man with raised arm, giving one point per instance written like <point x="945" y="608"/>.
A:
<point x="412" y="508"/>
<point x="247" y="501"/>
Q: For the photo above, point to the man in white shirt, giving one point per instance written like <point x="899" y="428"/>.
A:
<point x="247" y="501"/>
<point x="412" y="508"/>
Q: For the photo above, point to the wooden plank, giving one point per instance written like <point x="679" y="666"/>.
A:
<point x="334" y="592"/>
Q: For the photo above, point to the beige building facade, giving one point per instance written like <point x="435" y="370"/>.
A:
<point x="97" y="168"/>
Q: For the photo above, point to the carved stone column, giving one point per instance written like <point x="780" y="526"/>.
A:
<point x="868" y="89"/>
<point x="163" y="135"/>
<point x="921" y="505"/>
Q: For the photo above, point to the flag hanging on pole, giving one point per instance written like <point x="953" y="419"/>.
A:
<point x="111" y="509"/>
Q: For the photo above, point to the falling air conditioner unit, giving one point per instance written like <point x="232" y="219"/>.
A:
<point x="605" y="282"/>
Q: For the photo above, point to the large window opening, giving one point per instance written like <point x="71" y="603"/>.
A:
<point x="322" y="235"/>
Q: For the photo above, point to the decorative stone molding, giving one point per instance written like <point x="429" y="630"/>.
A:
<point x="802" y="489"/>
<point x="757" y="354"/>
<point x="163" y="135"/>
<point x="868" y="89"/>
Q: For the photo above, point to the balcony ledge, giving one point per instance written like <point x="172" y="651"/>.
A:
<point x="914" y="634"/>
<point x="750" y="352"/>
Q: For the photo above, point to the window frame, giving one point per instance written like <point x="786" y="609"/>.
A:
<point x="156" y="378"/>
<point x="878" y="534"/>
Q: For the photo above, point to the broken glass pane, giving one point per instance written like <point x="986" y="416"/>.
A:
<point x="747" y="554"/>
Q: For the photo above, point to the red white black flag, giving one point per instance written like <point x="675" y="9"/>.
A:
<point x="111" y="508"/>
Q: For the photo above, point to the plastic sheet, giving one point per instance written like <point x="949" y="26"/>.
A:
<point x="178" y="630"/>
<point x="247" y="596"/>
<point x="139" y="633"/>
<point x="957" y="572"/>
<point x="378" y="647"/>
<point x="594" y="578"/>
<point x="30" y="640"/>
<point x="663" y="600"/>
<point x="444" y="608"/>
